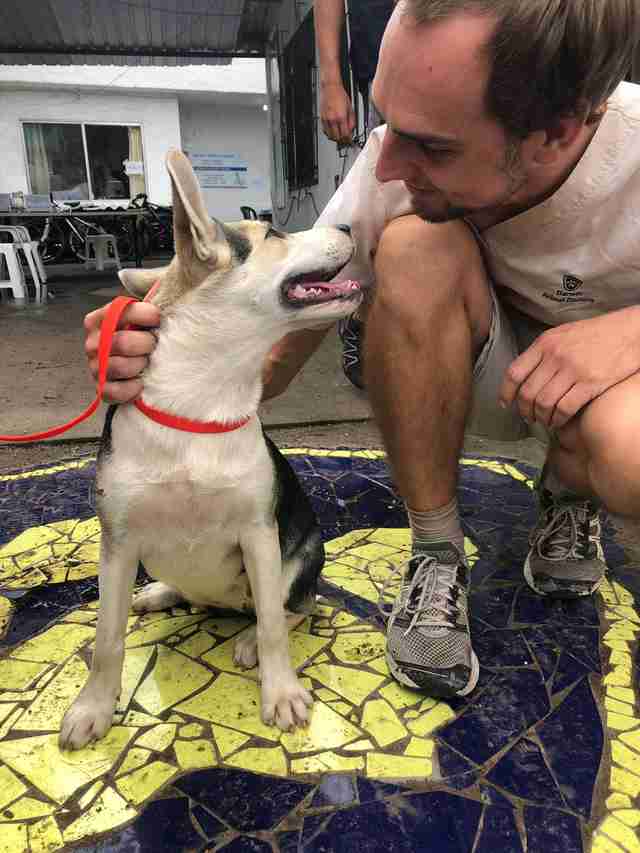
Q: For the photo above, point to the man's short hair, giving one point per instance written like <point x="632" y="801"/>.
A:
<point x="548" y="58"/>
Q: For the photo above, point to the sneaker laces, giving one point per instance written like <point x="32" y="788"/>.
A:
<point x="350" y="336"/>
<point x="564" y="533"/>
<point x="428" y="597"/>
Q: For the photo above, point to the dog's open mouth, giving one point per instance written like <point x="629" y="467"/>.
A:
<point x="310" y="289"/>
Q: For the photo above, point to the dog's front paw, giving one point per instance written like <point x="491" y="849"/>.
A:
<point x="88" y="719"/>
<point x="285" y="703"/>
<point x="245" y="650"/>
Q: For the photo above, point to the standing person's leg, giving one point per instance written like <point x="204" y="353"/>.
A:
<point x="430" y="322"/>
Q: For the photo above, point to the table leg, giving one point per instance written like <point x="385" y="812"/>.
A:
<point x="137" y="242"/>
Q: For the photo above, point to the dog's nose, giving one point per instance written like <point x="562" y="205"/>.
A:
<point x="344" y="228"/>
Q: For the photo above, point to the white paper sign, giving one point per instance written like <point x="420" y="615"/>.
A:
<point x="133" y="167"/>
<point x="220" y="170"/>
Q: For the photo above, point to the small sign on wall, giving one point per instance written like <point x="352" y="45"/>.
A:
<point x="220" y="170"/>
<point x="133" y="167"/>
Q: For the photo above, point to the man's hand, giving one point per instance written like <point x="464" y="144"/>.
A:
<point x="336" y="113"/>
<point x="130" y="350"/>
<point x="572" y="364"/>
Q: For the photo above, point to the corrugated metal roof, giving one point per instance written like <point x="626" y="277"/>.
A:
<point x="133" y="32"/>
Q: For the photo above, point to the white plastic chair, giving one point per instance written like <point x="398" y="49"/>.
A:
<point x="100" y="243"/>
<point x="22" y="242"/>
<point x="15" y="282"/>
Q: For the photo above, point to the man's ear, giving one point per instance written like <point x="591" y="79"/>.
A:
<point x="558" y="138"/>
<point x="194" y="230"/>
<point x="138" y="282"/>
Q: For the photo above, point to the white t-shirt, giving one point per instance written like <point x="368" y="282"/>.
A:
<point x="574" y="256"/>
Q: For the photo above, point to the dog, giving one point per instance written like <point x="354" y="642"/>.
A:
<point x="216" y="519"/>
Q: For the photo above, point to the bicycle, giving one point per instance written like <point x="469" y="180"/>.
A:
<point x="156" y="231"/>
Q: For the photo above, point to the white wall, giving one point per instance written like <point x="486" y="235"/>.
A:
<point x="157" y="114"/>
<point x="214" y="128"/>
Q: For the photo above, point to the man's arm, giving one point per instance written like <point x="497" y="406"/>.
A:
<point x="336" y="109"/>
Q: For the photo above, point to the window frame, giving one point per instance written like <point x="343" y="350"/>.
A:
<point x="82" y="125"/>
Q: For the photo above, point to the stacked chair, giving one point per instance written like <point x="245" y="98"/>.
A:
<point x="12" y="253"/>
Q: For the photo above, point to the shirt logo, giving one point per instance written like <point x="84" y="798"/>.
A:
<point x="571" y="283"/>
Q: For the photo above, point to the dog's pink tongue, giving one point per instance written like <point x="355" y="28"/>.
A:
<point x="322" y="289"/>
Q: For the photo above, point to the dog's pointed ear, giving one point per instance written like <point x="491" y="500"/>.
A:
<point x="138" y="282"/>
<point x="194" y="229"/>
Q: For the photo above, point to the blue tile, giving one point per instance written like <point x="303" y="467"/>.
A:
<point x="512" y="702"/>
<point x="569" y="671"/>
<point x="583" y="642"/>
<point x="369" y="791"/>
<point x="246" y="844"/>
<point x="453" y="767"/>
<point x="502" y="649"/>
<point x="533" y="609"/>
<point x="493" y="797"/>
<point x="311" y="827"/>
<point x="551" y="831"/>
<point x="492" y="604"/>
<point x="499" y="832"/>
<point x="523" y="772"/>
<point x="434" y="821"/>
<point x="209" y="824"/>
<point x="547" y="657"/>
<point x="336" y="789"/>
<point x="288" y="842"/>
<point x="248" y="802"/>
<point x="573" y="739"/>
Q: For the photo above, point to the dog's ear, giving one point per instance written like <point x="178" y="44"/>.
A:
<point x="193" y="228"/>
<point x="138" y="282"/>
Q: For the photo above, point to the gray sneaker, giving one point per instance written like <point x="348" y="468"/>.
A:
<point x="428" y="642"/>
<point x="566" y="558"/>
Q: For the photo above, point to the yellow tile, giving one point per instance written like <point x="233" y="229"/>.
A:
<point x="621" y="834"/>
<point x="231" y="701"/>
<point x="327" y="730"/>
<point x="625" y="757"/>
<point x="47" y="711"/>
<point x="173" y="678"/>
<point x="322" y="623"/>
<point x="90" y="794"/>
<point x="631" y="817"/>
<point x="431" y="720"/>
<point x="20" y="674"/>
<point x="135" y="663"/>
<point x="343" y="619"/>
<point x="618" y="801"/>
<point x="45" y="836"/>
<point x="619" y="707"/>
<point x="306" y="682"/>
<point x="428" y="703"/>
<point x="26" y="580"/>
<point x="29" y="540"/>
<point x="28" y="807"/>
<point x="302" y="647"/>
<point x="353" y="685"/>
<point x="58" y="774"/>
<point x="6" y="609"/>
<point x="10" y="787"/>
<point x="419" y="748"/>
<point x="628" y="613"/>
<point x="324" y="762"/>
<point x="157" y="738"/>
<point x="225" y="626"/>
<point x="383" y="766"/>
<point x="399" y="696"/>
<point x="140" y="720"/>
<point x="618" y="658"/>
<point x="359" y="746"/>
<point x="513" y="472"/>
<point x="602" y="844"/>
<point x="227" y="740"/>
<point x="135" y="757"/>
<point x="380" y="720"/>
<point x="195" y="753"/>
<point x="56" y="644"/>
<point x="620" y="723"/>
<point x="5" y="710"/>
<point x="624" y="782"/>
<point x="619" y="677"/>
<point x="351" y="580"/>
<point x="141" y="783"/>
<point x="618" y="645"/>
<point x="624" y="596"/>
<point x="160" y="629"/>
<point x="632" y="738"/>
<point x="196" y="645"/>
<point x="325" y="694"/>
<point x="270" y="759"/>
<point x="620" y="631"/>
<point x="191" y="730"/>
<point x="380" y="665"/>
<point x="395" y="537"/>
<point x="624" y="694"/>
<point x="108" y="811"/>
<point x="13" y="838"/>
<point x="341" y="543"/>
<point x="89" y="529"/>
<point x="359" y="648"/>
<point x="342" y="708"/>
<point x="10" y="721"/>
<point x="336" y="453"/>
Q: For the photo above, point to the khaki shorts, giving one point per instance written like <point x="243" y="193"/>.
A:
<point x="510" y="334"/>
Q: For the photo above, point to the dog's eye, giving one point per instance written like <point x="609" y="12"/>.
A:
<point x="273" y="232"/>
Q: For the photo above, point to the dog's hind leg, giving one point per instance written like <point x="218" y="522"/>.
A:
<point x="91" y="715"/>
<point x="245" y="651"/>
<point x="156" y="596"/>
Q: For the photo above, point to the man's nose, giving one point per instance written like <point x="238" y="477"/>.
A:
<point x="394" y="162"/>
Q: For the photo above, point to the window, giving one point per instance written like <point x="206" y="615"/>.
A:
<point x="84" y="161"/>
<point x="298" y="95"/>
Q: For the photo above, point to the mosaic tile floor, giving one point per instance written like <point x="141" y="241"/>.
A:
<point x="544" y="757"/>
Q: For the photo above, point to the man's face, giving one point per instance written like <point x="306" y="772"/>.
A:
<point x="430" y="89"/>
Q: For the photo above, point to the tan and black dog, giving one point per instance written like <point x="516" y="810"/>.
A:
<point x="216" y="519"/>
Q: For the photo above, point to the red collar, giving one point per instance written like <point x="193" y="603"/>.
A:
<point x="109" y="324"/>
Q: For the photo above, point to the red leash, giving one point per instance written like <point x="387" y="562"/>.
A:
<point x="107" y="330"/>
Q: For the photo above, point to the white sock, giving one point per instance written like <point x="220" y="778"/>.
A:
<point x="437" y="525"/>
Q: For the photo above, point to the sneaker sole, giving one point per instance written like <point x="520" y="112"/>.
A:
<point x="469" y="686"/>
<point x="528" y="576"/>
